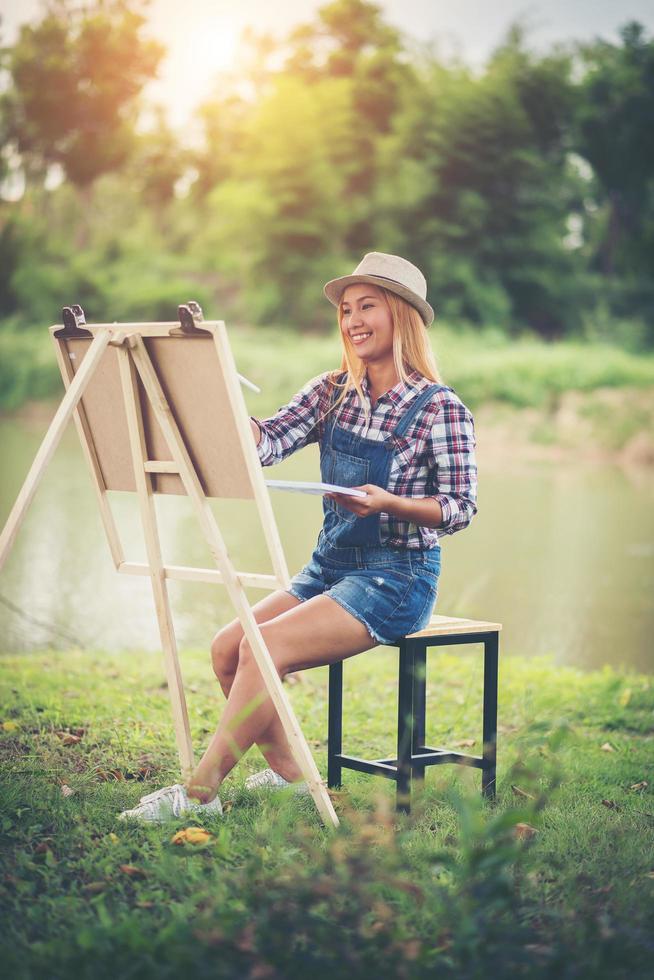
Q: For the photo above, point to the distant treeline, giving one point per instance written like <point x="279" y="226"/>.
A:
<point x="525" y="191"/>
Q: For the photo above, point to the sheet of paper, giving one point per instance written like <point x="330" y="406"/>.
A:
<point x="295" y="486"/>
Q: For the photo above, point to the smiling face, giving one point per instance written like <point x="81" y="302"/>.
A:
<point x="366" y="322"/>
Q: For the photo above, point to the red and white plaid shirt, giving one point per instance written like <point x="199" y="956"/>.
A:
<point x="435" y="457"/>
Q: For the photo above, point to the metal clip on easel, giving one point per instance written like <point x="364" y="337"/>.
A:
<point x="190" y="316"/>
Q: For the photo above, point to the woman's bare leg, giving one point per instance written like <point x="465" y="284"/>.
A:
<point x="311" y="634"/>
<point x="225" y="656"/>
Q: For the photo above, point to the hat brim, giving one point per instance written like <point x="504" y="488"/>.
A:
<point x="333" y="290"/>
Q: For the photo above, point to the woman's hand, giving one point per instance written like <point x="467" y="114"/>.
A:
<point x="375" y="501"/>
<point x="424" y="511"/>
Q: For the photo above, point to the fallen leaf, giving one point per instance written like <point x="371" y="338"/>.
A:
<point x="524" y="831"/>
<point x="67" y="738"/>
<point x="43" y="846"/>
<point x="132" y="871"/>
<point x="464" y="743"/>
<point x="649" y="874"/>
<point x="66" y="790"/>
<point x="522" y="793"/>
<point x="227" y="806"/>
<point x="9" y="726"/>
<point x="638" y="786"/>
<point x="94" y="887"/>
<point x="610" y="805"/>
<point x="144" y="905"/>
<point x="114" y="838"/>
<point x="607" y="747"/>
<point x="191" y="835"/>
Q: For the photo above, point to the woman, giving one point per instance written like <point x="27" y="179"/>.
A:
<point x="386" y="425"/>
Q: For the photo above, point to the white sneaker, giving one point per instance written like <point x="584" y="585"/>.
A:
<point x="168" y="803"/>
<point x="268" y="779"/>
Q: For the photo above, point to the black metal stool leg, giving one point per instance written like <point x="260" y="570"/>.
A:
<point x="405" y="726"/>
<point x="488" y="773"/>
<point x="335" y="725"/>
<point x="419" y="704"/>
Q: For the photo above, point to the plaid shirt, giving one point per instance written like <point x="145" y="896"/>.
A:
<point x="435" y="457"/>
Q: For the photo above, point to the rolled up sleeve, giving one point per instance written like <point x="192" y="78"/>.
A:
<point x="453" y="455"/>
<point x="293" y="426"/>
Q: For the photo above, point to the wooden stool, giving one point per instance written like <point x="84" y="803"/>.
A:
<point x="412" y="754"/>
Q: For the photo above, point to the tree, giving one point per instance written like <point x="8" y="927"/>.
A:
<point x="350" y="41"/>
<point x="615" y="133"/>
<point x="75" y="80"/>
<point x="475" y="190"/>
<point x="278" y="222"/>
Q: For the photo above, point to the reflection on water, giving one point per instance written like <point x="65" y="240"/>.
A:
<point x="561" y="554"/>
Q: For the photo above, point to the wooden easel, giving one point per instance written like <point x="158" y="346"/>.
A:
<point x="159" y="409"/>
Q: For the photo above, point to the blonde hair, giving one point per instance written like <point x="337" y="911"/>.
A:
<point x="411" y="349"/>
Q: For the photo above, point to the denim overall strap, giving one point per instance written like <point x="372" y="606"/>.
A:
<point x="350" y="460"/>
<point x="413" y="409"/>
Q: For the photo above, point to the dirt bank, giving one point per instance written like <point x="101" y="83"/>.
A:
<point x="604" y="425"/>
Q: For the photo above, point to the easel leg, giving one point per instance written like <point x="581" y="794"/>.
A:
<point x="174" y="677"/>
<point x="155" y="561"/>
<point x="88" y="448"/>
<point x="51" y="441"/>
<point x="193" y="487"/>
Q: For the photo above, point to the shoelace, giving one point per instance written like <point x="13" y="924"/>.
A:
<point x="267" y="778"/>
<point x="160" y="793"/>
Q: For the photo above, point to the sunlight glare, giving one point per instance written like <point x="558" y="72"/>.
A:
<point x="206" y="45"/>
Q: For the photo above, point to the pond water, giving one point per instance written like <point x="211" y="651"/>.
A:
<point x="562" y="554"/>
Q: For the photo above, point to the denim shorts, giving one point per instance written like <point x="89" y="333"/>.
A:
<point x="392" y="591"/>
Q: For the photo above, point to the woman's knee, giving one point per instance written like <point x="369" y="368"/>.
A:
<point x="246" y="658"/>
<point x="225" y="654"/>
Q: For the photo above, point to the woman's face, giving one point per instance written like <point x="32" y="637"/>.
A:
<point x="366" y="321"/>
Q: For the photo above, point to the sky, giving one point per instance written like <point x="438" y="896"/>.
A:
<point x="201" y="36"/>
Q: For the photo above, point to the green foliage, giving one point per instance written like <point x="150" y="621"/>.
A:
<point x="75" y="78"/>
<point x="554" y="880"/>
<point x="523" y="189"/>
<point x="614" y="118"/>
<point x="521" y="372"/>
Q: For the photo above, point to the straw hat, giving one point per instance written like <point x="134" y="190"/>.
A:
<point x="391" y="272"/>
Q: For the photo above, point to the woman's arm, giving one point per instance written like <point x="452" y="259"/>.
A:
<point x="424" y="511"/>
<point x="451" y="457"/>
<point x="295" y="425"/>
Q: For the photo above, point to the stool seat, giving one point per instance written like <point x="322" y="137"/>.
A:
<point x="442" y="625"/>
<point x="413" y="756"/>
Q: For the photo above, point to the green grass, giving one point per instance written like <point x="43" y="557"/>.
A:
<point x="453" y="890"/>
<point x="482" y="365"/>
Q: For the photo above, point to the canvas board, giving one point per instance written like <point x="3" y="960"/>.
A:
<point x="189" y="371"/>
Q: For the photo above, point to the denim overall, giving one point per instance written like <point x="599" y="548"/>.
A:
<point x="391" y="591"/>
<point x="349" y="460"/>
